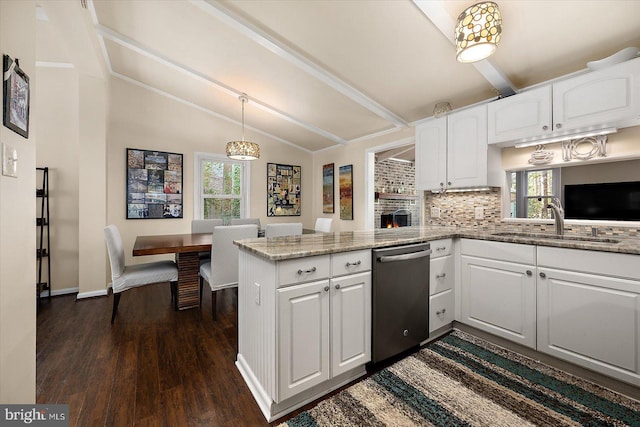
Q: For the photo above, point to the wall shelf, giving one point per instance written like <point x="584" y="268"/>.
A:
<point x="395" y="196"/>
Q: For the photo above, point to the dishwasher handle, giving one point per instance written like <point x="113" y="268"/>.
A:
<point x="405" y="257"/>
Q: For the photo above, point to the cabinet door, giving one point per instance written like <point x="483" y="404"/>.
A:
<point x="303" y="334"/>
<point x="499" y="297"/>
<point x="525" y="115"/>
<point x="591" y="320"/>
<point x="350" y="322"/>
<point x="467" y="148"/>
<point x="600" y="97"/>
<point x="431" y="154"/>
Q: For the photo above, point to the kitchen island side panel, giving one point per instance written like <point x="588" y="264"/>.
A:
<point x="257" y="341"/>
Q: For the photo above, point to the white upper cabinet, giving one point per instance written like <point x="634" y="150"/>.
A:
<point x="603" y="98"/>
<point x="452" y="152"/>
<point x="520" y="116"/>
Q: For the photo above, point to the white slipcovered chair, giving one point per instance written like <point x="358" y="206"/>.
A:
<point x="283" y="229"/>
<point x="323" y="225"/>
<point x="222" y="271"/>
<point x="124" y="277"/>
<point x="204" y="225"/>
<point x="243" y="221"/>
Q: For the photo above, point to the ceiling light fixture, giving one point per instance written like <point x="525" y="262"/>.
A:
<point x="478" y="32"/>
<point x="243" y="150"/>
<point x="566" y="137"/>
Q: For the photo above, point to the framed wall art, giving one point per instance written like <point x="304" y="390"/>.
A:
<point x="346" y="192"/>
<point x="327" y="189"/>
<point x="15" y="91"/>
<point x="154" y="184"/>
<point x="283" y="190"/>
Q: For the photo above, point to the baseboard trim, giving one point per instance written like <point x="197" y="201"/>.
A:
<point x="57" y="292"/>
<point x="101" y="293"/>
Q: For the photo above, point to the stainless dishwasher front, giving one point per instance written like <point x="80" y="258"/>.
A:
<point x="400" y="299"/>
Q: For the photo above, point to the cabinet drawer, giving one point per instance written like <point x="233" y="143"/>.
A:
<point x="440" y="310"/>
<point x="441" y="247"/>
<point x="441" y="272"/>
<point x="302" y="270"/>
<point x="350" y="262"/>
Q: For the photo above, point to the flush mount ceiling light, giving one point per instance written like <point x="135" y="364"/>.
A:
<point x="478" y="32"/>
<point x="243" y="150"/>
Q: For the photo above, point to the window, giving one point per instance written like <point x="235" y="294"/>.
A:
<point x="221" y="187"/>
<point x="532" y="191"/>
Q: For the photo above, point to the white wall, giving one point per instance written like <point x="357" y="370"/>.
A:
<point x="17" y="223"/>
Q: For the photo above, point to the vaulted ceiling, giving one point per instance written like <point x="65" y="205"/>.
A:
<point x="324" y="72"/>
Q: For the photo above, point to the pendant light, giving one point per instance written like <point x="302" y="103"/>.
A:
<point x="478" y="32"/>
<point x="243" y="150"/>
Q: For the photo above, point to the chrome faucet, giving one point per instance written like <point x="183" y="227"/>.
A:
<point x="558" y="215"/>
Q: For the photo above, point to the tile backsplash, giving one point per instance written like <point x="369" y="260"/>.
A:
<point x="459" y="209"/>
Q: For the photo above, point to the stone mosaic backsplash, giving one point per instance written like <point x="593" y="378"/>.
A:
<point x="458" y="209"/>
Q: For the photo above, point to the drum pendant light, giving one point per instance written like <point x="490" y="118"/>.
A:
<point x="243" y="150"/>
<point x="478" y="32"/>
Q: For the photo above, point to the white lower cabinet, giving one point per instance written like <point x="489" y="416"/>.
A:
<point x="592" y="320"/>
<point x="324" y="330"/>
<point x="441" y="281"/>
<point x="498" y="289"/>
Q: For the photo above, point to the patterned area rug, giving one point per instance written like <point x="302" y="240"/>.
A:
<point x="462" y="380"/>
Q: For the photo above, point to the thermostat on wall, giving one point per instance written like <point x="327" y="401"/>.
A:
<point x="9" y="161"/>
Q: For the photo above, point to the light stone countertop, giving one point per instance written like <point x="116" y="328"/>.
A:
<point x="281" y="248"/>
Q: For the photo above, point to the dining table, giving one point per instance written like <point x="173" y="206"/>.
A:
<point x="187" y="248"/>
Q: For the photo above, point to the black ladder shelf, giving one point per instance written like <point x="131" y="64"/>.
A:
<point x="43" y="251"/>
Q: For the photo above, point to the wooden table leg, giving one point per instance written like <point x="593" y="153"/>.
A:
<point x="188" y="286"/>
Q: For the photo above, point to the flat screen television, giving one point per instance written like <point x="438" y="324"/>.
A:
<point x="615" y="201"/>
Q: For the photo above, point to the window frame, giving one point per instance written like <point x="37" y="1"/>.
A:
<point x="198" y="196"/>
<point x="521" y="189"/>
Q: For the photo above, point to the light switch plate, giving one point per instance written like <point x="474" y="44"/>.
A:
<point x="9" y="161"/>
<point x="435" y="212"/>
<point x="479" y="211"/>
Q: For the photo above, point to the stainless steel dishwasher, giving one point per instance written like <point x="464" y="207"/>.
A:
<point x="400" y="299"/>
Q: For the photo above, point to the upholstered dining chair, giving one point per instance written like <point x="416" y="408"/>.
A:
<point x="124" y="277"/>
<point x="323" y="225"/>
<point x="283" y="229"/>
<point x="242" y="221"/>
<point x="204" y="225"/>
<point x="222" y="271"/>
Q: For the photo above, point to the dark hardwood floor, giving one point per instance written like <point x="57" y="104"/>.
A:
<point x="153" y="366"/>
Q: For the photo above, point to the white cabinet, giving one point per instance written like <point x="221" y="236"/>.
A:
<point x="592" y="320"/>
<point x="603" y="98"/>
<point x="324" y="330"/>
<point x="303" y="327"/>
<point x="452" y="152"/>
<point x="441" y="281"/>
<point x="498" y="289"/>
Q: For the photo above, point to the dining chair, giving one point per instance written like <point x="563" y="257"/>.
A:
<point x="283" y="229"/>
<point x="205" y="225"/>
<point x="323" y="225"/>
<point x="124" y="277"/>
<point x="242" y="221"/>
<point x="222" y="271"/>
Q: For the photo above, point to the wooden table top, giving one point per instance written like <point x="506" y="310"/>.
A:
<point x="172" y="243"/>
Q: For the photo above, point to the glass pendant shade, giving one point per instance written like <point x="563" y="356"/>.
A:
<point x="478" y="32"/>
<point x="243" y="150"/>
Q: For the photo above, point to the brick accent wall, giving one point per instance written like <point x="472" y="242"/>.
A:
<point x="391" y="173"/>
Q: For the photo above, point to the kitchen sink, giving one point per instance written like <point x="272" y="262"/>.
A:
<point x="567" y="237"/>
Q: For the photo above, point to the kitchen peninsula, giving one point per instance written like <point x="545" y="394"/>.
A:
<point x="304" y="302"/>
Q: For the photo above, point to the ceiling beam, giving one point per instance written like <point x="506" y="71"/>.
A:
<point x="285" y="52"/>
<point x="137" y="47"/>
<point x="393" y="153"/>
<point x="437" y="14"/>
